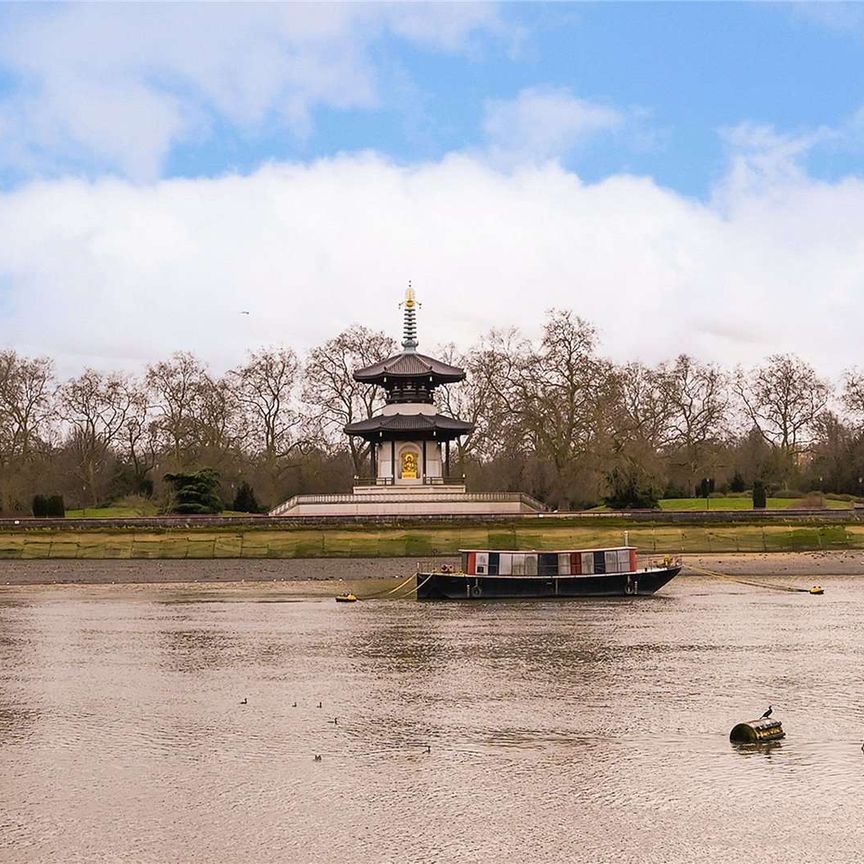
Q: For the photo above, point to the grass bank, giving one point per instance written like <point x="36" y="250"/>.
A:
<point x="423" y="541"/>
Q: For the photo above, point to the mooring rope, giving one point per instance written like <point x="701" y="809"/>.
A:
<point x="714" y="574"/>
<point x="397" y="588"/>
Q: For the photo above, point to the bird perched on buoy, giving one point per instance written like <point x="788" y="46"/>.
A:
<point x="767" y="714"/>
<point x="244" y="701"/>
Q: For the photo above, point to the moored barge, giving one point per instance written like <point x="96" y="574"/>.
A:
<point x="490" y="574"/>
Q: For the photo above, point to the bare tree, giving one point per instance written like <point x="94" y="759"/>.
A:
<point x="696" y="399"/>
<point x="334" y="397"/>
<point x="96" y="407"/>
<point x="853" y="393"/>
<point x="265" y="388"/>
<point x="558" y="399"/>
<point x="140" y="439"/>
<point x="175" y="387"/>
<point x="646" y="412"/>
<point x="218" y="424"/>
<point x="25" y="402"/>
<point x="783" y="399"/>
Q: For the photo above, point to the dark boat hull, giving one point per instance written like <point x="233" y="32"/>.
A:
<point x="459" y="586"/>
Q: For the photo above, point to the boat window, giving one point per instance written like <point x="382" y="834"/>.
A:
<point x="518" y="565"/>
<point x="493" y="563"/>
<point x="481" y="562"/>
<point x="505" y="564"/>
<point x="599" y="562"/>
<point x="530" y="565"/>
<point x="587" y="562"/>
<point x="548" y="565"/>
<point x="564" y="564"/>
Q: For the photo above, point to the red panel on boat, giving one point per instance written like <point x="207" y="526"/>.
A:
<point x="633" y="560"/>
<point x="472" y="563"/>
<point x="576" y="563"/>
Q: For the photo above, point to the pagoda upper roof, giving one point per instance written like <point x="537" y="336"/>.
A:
<point x="438" y="426"/>
<point x="409" y="364"/>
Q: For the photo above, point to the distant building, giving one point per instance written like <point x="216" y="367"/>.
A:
<point x="409" y="446"/>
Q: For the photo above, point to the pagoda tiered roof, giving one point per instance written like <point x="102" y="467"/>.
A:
<point x="439" y="427"/>
<point x="410" y="364"/>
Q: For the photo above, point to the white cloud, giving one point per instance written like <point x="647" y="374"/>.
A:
<point x="115" y="274"/>
<point x="121" y="84"/>
<point x="545" y="123"/>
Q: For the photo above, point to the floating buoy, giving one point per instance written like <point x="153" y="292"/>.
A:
<point x="817" y="589"/>
<point x="346" y="598"/>
<point x="756" y="731"/>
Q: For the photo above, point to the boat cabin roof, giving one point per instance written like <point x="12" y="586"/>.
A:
<point x="551" y="551"/>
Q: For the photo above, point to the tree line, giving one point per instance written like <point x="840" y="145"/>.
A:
<point x="552" y="416"/>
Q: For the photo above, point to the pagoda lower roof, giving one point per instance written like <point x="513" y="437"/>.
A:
<point x="409" y="364"/>
<point x="439" y="427"/>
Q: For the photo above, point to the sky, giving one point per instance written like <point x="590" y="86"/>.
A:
<point x="686" y="177"/>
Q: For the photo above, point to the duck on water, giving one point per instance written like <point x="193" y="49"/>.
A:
<point x="567" y="573"/>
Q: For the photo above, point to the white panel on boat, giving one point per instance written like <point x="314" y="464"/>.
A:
<point x="518" y="565"/>
<point x="482" y="563"/>
<point x="587" y="562"/>
<point x="612" y="562"/>
<point x="505" y="564"/>
<point x="530" y="565"/>
<point x="563" y="563"/>
<point x="623" y="560"/>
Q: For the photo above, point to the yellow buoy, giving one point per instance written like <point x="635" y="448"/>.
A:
<point x="817" y="589"/>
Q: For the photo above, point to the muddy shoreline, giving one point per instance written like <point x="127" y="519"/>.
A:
<point x="313" y="571"/>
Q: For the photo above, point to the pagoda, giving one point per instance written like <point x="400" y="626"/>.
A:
<point x="409" y="446"/>
<point x="409" y="440"/>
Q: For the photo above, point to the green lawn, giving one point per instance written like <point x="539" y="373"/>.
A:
<point x="743" y="504"/>
<point x="118" y="512"/>
<point x="122" y="512"/>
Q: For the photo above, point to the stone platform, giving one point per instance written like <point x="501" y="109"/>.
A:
<point x="411" y="501"/>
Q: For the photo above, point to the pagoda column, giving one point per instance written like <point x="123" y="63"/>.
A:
<point x="447" y="459"/>
<point x="393" y="461"/>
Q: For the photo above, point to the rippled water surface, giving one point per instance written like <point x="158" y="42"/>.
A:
<point x="588" y="731"/>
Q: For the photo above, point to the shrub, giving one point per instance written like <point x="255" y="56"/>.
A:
<point x="760" y="498"/>
<point x="48" y="507"/>
<point x="737" y="484"/>
<point x="245" y="500"/>
<point x="811" y="501"/>
<point x="673" y="490"/>
<point x="628" y="490"/>
<point x="788" y="493"/>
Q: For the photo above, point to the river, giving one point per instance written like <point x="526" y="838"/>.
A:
<point x="584" y="731"/>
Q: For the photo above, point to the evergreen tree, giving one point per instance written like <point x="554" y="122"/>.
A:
<point x="760" y="497"/>
<point x="195" y="492"/>
<point x="245" y="500"/>
<point x="55" y="507"/>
